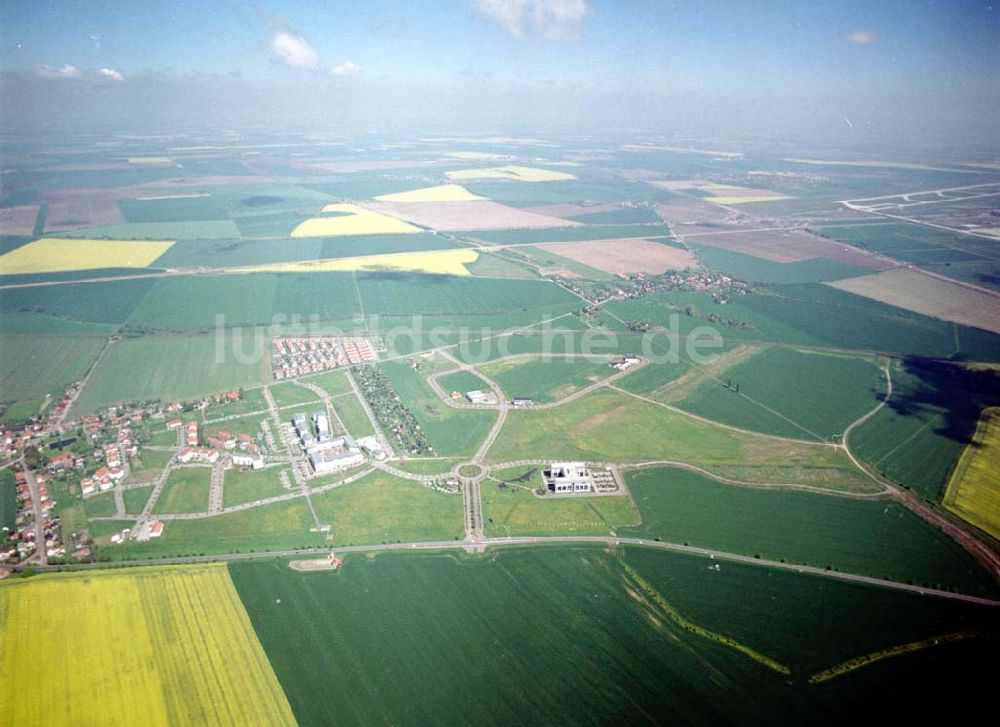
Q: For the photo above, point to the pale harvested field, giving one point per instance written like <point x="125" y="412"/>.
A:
<point x="71" y="215"/>
<point x="690" y="209"/>
<point x="516" y="173"/>
<point x="749" y="198"/>
<point x="440" y="193"/>
<point x="370" y="166"/>
<point x="357" y="221"/>
<point x="923" y="293"/>
<point x="95" y="167"/>
<point x="676" y="184"/>
<point x="18" y="220"/>
<point x="479" y="156"/>
<point x="624" y="256"/>
<point x="569" y="210"/>
<point x="149" y="160"/>
<point x="474" y="215"/>
<point x="439" y="262"/>
<point x="787" y="247"/>
<point x="52" y="255"/>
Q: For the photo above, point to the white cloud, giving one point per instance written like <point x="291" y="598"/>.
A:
<point x="294" y="50"/>
<point x="111" y="74"/>
<point x="549" y="18"/>
<point x="862" y="37"/>
<point x="61" y="72"/>
<point x="347" y="68"/>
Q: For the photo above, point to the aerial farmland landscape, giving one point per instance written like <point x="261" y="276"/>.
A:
<point x="498" y="362"/>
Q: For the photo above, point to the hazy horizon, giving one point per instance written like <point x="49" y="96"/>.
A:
<point x="856" y="74"/>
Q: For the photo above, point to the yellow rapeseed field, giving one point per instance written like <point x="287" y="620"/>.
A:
<point x="167" y="645"/>
<point x="355" y="221"/>
<point x="52" y="255"/>
<point x="440" y="262"/>
<point x="520" y="174"/>
<point x="440" y="193"/>
<point x="974" y="491"/>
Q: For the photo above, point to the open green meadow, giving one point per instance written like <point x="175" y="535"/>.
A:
<point x="790" y="393"/>
<point x="353" y="415"/>
<point x="32" y="367"/>
<point x="512" y="509"/>
<point x="383" y="647"/>
<point x="451" y="431"/>
<point x="461" y="381"/>
<point x="547" y="379"/>
<point x="174" y="230"/>
<point x="608" y="426"/>
<point x="136" y="499"/>
<point x="172" y="368"/>
<point x="284" y="525"/>
<point x="333" y="382"/>
<point x="287" y="393"/>
<point x="878" y="538"/>
<point x="380" y="508"/>
<point x="186" y="490"/>
<point x="102" y="505"/>
<point x="241" y="487"/>
<point x="758" y="270"/>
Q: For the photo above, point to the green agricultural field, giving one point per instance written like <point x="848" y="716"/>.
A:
<point x="913" y="243"/>
<point x="193" y="303"/>
<point x="186" y="490"/>
<point x="547" y="379"/>
<point x="526" y="615"/>
<point x="932" y="415"/>
<point x="171" y="368"/>
<point x="495" y="266"/>
<point x="238" y="253"/>
<point x="790" y="394"/>
<point x="353" y="415"/>
<point x="808" y="623"/>
<point x="101" y="505"/>
<point x="136" y="499"/>
<point x="451" y="432"/>
<point x="109" y="302"/>
<point x="242" y="425"/>
<point x="461" y="381"/>
<point x="608" y="426"/>
<point x="32" y="367"/>
<point x="512" y="509"/>
<point x="174" y="209"/>
<point x="407" y="295"/>
<point x="380" y="508"/>
<point x="241" y="487"/>
<point x="757" y="270"/>
<point x="568" y="234"/>
<point x="856" y="536"/>
<point x="281" y="526"/>
<point x="175" y="230"/>
<point x="621" y="216"/>
<point x="287" y="393"/>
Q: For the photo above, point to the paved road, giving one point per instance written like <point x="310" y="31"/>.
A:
<point x="717" y="555"/>
<point x="40" y="553"/>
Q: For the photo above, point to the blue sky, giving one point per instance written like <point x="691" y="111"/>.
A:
<point x="716" y="46"/>
<point x="593" y="58"/>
